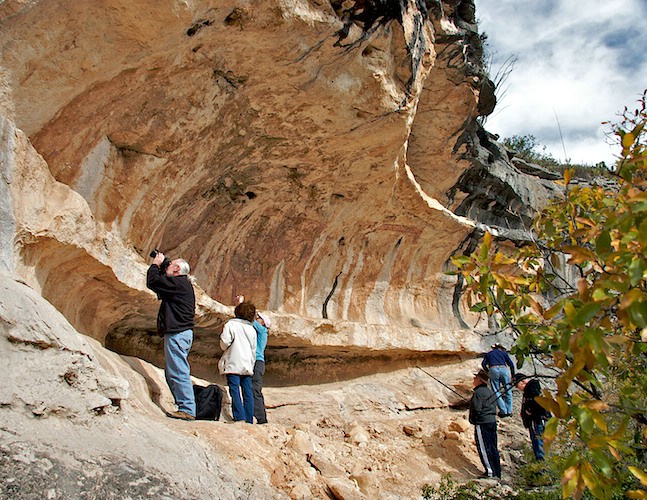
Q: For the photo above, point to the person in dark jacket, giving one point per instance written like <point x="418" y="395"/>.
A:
<point x="533" y="415"/>
<point x="262" y="325"/>
<point x="175" y="322"/>
<point x="500" y="370"/>
<point x="482" y="415"/>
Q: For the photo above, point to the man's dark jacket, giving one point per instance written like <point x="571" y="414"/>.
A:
<point x="482" y="406"/>
<point x="178" y="300"/>
<point x="531" y="411"/>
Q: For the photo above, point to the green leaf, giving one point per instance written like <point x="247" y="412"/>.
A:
<point x="585" y="313"/>
<point x="461" y="260"/>
<point x="479" y="307"/>
<point x="550" y="431"/>
<point x="603" y="462"/>
<point x="638" y="313"/>
<point x="600" y="294"/>
<point x="554" y="311"/>
<point x="642" y="233"/>
<point x="585" y="419"/>
<point x="636" y="270"/>
<point x="603" y="243"/>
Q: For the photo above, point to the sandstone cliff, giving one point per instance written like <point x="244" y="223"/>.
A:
<point x="322" y="157"/>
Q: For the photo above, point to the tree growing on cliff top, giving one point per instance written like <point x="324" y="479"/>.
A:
<point x="591" y="326"/>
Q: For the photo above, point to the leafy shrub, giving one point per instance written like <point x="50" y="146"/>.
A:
<point x="576" y="299"/>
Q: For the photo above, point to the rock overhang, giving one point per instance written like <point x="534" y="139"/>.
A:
<point x="274" y="148"/>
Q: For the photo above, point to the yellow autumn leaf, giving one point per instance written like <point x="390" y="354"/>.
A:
<point x="628" y="140"/>
<point x="500" y="258"/>
<point x="595" y="404"/>
<point x="614" y="452"/>
<point x="487" y="239"/>
<point x="568" y="174"/>
<point x="639" y="473"/>
<point x="569" y="310"/>
<point x="599" y="420"/>
<point x="502" y="281"/>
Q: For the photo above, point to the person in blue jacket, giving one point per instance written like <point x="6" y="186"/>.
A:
<point x="500" y="369"/>
<point x="262" y="324"/>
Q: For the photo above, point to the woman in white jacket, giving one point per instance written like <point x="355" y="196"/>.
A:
<point x="238" y="340"/>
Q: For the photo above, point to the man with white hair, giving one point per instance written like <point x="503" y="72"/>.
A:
<point x="175" y="322"/>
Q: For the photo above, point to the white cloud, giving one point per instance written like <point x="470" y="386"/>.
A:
<point x="579" y="64"/>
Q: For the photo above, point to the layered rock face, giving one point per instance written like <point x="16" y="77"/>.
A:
<point x="320" y="157"/>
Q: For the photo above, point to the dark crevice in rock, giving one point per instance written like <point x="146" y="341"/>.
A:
<point x="318" y="365"/>
<point x="465" y="248"/>
<point x="197" y="26"/>
<point x="238" y="17"/>
<point x="290" y="361"/>
<point x="131" y="150"/>
<point x="324" y="309"/>
<point x="272" y="407"/>
<point x="535" y="170"/>
<point x="463" y="52"/>
<point x="43" y="345"/>
<point x="493" y="204"/>
<point x="229" y="78"/>
<point x="369" y="15"/>
<point x="417" y="46"/>
<point x="458" y="405"/>
<point x="487" y="98"/>
<point x="38" y="344"/>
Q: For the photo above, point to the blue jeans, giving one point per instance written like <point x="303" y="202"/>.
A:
<point x="177" y="370"/>
<point x="241" y="410"/>
<point x="536" y="431"/>
<point x="500" y="380"/>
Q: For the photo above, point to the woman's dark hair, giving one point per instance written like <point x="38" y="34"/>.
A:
<point x="245" y="310"/>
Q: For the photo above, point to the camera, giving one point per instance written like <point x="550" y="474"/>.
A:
<point x="165" y="263"/>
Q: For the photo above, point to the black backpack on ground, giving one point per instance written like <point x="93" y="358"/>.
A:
<point x="208" y="402"/>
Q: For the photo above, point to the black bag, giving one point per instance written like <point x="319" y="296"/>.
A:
<point x="208" y="402"/>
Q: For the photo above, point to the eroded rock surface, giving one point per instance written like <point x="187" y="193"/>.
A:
<point x="81" y="421"/>
<point x="321" y="157"/>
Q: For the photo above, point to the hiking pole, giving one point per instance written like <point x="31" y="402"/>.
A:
<point x="444" y="385"/>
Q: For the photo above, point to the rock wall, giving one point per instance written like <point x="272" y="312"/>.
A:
<point x="323" y="158"/>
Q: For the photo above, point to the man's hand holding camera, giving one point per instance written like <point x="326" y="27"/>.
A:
<point x="158" y="259"/>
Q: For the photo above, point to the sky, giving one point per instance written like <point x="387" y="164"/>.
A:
<point x="579" y="63"/>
